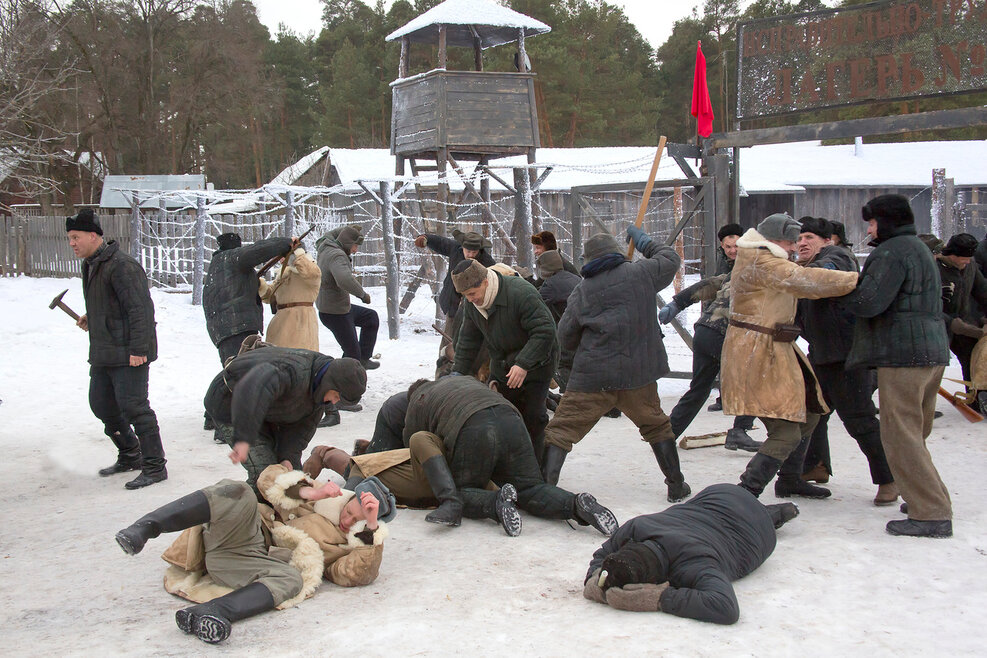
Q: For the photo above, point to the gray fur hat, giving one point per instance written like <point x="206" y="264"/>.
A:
<point x="780" y="226"/>
<point x="598" y="245"/>
<point x="468" y="274"/>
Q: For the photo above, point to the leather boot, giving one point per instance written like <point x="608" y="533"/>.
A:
<point x="782" y="513"/>
<point x="760" y="470"/>
<point x="186" y="512"/>
<point x="738" y="439"/>
<point x="506" y="510"/>
<point x="212" y="621"/>
<point x="790" y="482"/>
<point x="316" y="462"/>
<point x="331" y="418"/>
<point x="667" y="455"/>
<point x="552" y="464"/>
<point x="450" y="510"/>
<point x="913" y="528"/>
<point x="128" y="453"/>
<point x="586" y="511"/>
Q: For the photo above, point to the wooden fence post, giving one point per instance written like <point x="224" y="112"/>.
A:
<point x="289" y="213"/>
<point x="940" y="204"/>
<point x="575" y="215"/>
<point x="135" y="229"/>
<point x="522" y="218"/>
<point x="200" y="249"/>
<point x="393" y="282"/>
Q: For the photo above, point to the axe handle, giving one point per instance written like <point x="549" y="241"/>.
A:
<point x="647" y="193"/>
<point x="961" y="407"/>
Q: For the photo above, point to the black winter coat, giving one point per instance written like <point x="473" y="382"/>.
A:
<point x="719" y="535"/>
<point x="826" y="324"/>
<point x="964" y="293"/>
<point x="389" y="428"/>
<point x="442" y="407"/>
<point x="118" y="308"/>
<point x="448" y="297"/>
<point x="898" y="304"/>
<point x="980" y="257"/>
<point x="229" y="296"/>
<point x="555" y="291"/>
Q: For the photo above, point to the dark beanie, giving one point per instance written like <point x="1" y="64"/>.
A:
<point x="86" y="220"/>
<point x="598" y="245"/>
<point x="728" y="230"/>
<point x="468" y="274"/>
<point x="349" y="236"/>
<point x="962" y="244"/>
<point x="817" y="225"/>
<point x="839" y="230"/>
<point x="345" y="376"/>
<point x="549" y="263"/>
<point x="893" y="208"/>
<point x="228" y="241"/>
<point x="545" y="239"/>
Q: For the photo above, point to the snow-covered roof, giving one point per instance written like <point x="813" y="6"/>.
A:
<point x="293" y="172"/>
<point x="494" y="24"/>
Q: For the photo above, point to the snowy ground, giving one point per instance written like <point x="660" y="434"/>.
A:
<point x="836" y="584"/>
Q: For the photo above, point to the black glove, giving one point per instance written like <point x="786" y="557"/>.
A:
<point x="633" y="563"/>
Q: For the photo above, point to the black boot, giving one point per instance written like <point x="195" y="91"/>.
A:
<point x="738" y="439"/>
<point x="668" y="460"/>
<point x="208" y="424"/>
<point x="552" y="401"/>
<point x="790" y="482"/>
<point x="552" y="463"/>
<point x="331" y="418"/>
<point x="186" y="512"/>
<point x="913" y="528"/>
<point x="506" y="510"/>
<point x="782" y="513"/>
<point x="586" y="511"/>
<point x="760" y="470"/>
<point x="212" y="621"/>
<point x="128" y="453"/>
<point x="450" y="509"/>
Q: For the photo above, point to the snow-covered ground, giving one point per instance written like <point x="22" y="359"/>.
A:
<point x="836" y="584"/>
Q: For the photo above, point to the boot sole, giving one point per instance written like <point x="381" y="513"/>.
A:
<point x="212" y="629"/>
<point x="598" y="516"/>
<point x="792" y="494"/>
<point x="125" y="543"/>
<point x="928" y="535"/>
<point x="507" y="513"/>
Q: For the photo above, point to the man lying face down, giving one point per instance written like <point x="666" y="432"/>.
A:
<point x="682" y="560"/>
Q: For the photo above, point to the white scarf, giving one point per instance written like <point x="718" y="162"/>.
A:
<point x="493" y="285"/>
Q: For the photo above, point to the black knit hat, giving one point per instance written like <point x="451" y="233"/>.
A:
<point x="228" y="241"/>
<point x="728" y="230"/>
<point x="962" y="244"/>
<point x="85" y="220"/>
<point x="839" y="230"/>
<point x="818" y="226"/>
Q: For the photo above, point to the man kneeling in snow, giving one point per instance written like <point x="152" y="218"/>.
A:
<point x="682" y="561"/>
<point x="250" y="557"/>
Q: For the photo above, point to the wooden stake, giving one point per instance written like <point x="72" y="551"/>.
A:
<point x="647" y="193"/>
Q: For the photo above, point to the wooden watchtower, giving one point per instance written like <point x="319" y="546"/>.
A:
<point x="441" y="117"/>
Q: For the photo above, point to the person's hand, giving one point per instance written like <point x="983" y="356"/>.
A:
<point x="515" y="376"/>
<point x="592" y="589"/>
<point x="239" y="453"/>
<point x="295" y="243"/>
<point x="370" y="505"/>
<point x="639" y="237"/>
<point x="83" y="322"/>
<point x="137" y="360"/>
<point x="636" y="597"/>
<point x="667" y="312"/>
<point x="328" y="490"/>
<point x="421" y="241"/>
<point x="366" y="298"/>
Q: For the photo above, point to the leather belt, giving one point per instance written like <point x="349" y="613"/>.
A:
<point x="753" y="327"/>
<point x="293" y="304"/>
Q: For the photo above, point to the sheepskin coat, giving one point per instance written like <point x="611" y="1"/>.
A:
<point x="762" y="377"/>
<point x="298" y="283"/>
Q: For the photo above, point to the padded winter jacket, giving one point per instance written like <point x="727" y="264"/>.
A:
<point x="118" y="308"/>
<point x="898" y="304"/>
<point x="449" y="299"/>
<point x="338" y="281"/>
<point x="229" y="295"/>
<point x="555" y="291"/>
<point x="964" y="293"/>
<point x="826" y="324"/>
<point x="719" y="535"/>
<point x="442" y="407"/>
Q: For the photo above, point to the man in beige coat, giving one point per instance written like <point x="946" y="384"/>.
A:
<point x="763" y="372"/>
<point x="293" y="291"/>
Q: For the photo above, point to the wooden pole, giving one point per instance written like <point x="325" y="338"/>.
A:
<point x="200" y="250"/>
<point x="522" y="217"/>
<point x="392" y="285"/>
<point x="647" y="193"/>
<point x="442" y="46"/>
<point x="403" y="61"/>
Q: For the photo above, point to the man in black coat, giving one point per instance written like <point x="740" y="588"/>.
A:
<point x="557" y="283"/>
<point x="274" y="397"/>
<point x="682" y="561"/>
<point x="122" y="343"/>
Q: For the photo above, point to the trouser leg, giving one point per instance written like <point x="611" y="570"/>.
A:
<point x="706" y="347"/>
<point x="743" y="423"/>
<point x="643" y="408"/>
<point x="529" y="399"/>
<point x="369" y="323"/>
<point x="102" y="401"/>
<point x="851" y="393"/>
<point x="962" y="347"/>
<point x="130" y="385"/>
<point x="818" y="449"/>
<point x="344" y="331"/>
<point x="575" y="416"/>
<point x="792" y="464"/>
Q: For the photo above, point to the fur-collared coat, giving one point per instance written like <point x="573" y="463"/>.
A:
<point x="310" y="531"/>
<point x="296" y="326"/>
<point x="762" y="377"/>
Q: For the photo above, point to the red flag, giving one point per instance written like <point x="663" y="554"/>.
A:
<point x="702" y="108"/>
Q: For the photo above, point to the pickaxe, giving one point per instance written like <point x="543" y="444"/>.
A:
<point x="62" y="305"/>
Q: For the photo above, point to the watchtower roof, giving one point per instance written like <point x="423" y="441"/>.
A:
<point x="492" y="23"/>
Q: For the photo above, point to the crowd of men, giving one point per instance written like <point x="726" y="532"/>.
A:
<point x="477" y="442"/>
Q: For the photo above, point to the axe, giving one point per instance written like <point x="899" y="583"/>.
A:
<point x="62" y="305"/>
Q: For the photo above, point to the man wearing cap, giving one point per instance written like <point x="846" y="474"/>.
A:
<point x="246" y="557"/>
<point x="557" y="283"/>
<point x="763" y="372"/>
<point x="828" y="328"/>
<point x="274" y="398"/>
<point x="900" y="332"/>
<point x="610" y="335"/>
<point x="545" y="241"/>
<point x="335" y="258"/>
<point x="122" y="344"/>
<point x="507" y="314"/>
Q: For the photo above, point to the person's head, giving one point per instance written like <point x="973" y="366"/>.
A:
<point x="728" y="236"/>
<point x="959" y="250"/>
<point x="780" y="229"/>
<point x="544" y="241"/>
<point x="599" y="245"/>
<point x="470" y="280"/>
<point x="350" y="238"/>
<point x="355" y="508"/>
<point x="839" y="235"/>
<point x="815" y="234"/>
<point x="549" y="264"/>
<point x="228" y="241"/>
<point x="416" y="385"/>
<point x="934" y="244"/>
<point x="343" y="380"/>
<point x="472" y="243"/>
<point x="885" y="213"/>
<point x="84" y="232"/>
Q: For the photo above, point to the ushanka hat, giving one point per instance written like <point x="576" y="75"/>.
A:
<point x="549" y="263"/>
<point x="85" y="220"/>
<point x="545" y="239"/>
<point x="471" y="240"/>
<point x="779" y="226"/>
<point x="962" y="244"/>
<point x="345" y="376"/>
<point x="598" y="245"/>
<point x="817" y="226"/>
<point x="468" y="274"/>
<point x="228" y="241"/>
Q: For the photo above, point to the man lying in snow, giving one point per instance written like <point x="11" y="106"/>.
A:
<point x="681" y="561"/>
<point x="250" y="557"/>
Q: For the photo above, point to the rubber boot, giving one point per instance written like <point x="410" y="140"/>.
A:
<point x="212" y="621"/>
<point x="186" y="512"/>
<point x="506" y="510"/>
<point x="586" y="511"/>
<point x="552" y="464"/>
<point x="760" y="470"/>
<point x="790" y="482"/>
<point x="450" y="510"/>
<point x="738" y="439"/>
<point x="128" y="453"/>
<point x="782" y="513"/>
<point x="668" y="460"/>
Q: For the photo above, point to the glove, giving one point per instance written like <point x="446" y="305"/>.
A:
<point x="958" y="326"/>
<point x="636" y="597"/>
<point x="366" y="298"/>
<point x="633" y="563"/>
<point x="640" y="238"/>
<point x="592" y="590"/>
<point x="421" y="241"/>
<point x="667" y="312"/>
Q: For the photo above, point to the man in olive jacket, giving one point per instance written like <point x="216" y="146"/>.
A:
<point x="900" y="332"/>
<point x="122" y="344"/>
<point x="342" y="318"/>
<point x="509" y="315"/>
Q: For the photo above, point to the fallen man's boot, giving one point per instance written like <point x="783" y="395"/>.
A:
<point x="507" y="513"/>
<point x="186" y="512"/>
<point x="360" y="447"/>
<point x="666" y="452"/>
<point x="782" y="513"/>
<point x="313" y="466"/>
<point x="128" y="458"/>
<point x="738" y="439"/>
<point x="787" y="486"/>
<point x="586" y="511"/>
<point x="212" y="621"/>
<point x="913" y="528"/>
<point x="552" y="466"/>
<point x="450" y="509"/>
<point x="331" y="418"/>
